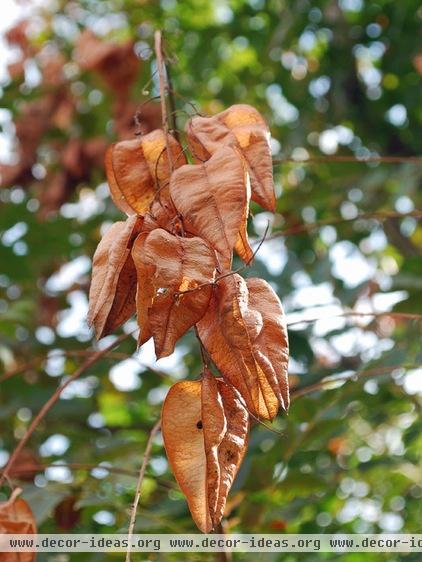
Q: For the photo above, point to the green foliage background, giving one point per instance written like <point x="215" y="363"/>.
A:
<point x="326" y="76"/>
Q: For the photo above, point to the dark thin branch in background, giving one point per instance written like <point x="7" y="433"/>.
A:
<point x="188" y="102"/>
<point x="114" y="355"/>
<point x="376" y="215"/>
<point x="31" y="471"/>
<point x="350" y="159"/>
<point x="394" y="315"/>
<point x="53" y="399"/>
<point x="368" y="373"/>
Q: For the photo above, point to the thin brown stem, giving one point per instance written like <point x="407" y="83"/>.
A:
<point x="379" y="216"/>
<point x="204" y="353"/>
<point x="19" y="370"/>
<point x="72" y="466"/>
<point x="350" y="159"/>
<point x="396" y="315"/>
<point x="144" y="464"/>
<point x="226" y="555"/>
<point x="53" y="399"/>
<point x="13" y="496"/>
<point x="138" y="114"/>
<point x="79" y="353"/>
<point x="172" y="103"/>
<point x="179" y="294"/>
<point x="189" y="102"/>
<point x="163" y="89"/>
<point x="368" y="373"/>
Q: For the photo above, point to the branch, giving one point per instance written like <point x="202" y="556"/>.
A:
<point x="72" y="466"/>
<point x="380" y="216"/>
<point x="116" y="355"/>
<point x="145" y="460"/>
<point x="163" y="89"/>
<point x="225" y="555"/>
<point x="53" y="399"/>
<point x="396" y="315"/>
<point x="172" y="103"/>
<point x="319" y="385"/>
<point x="204" y="354"/>
<point x="350" y="159"/>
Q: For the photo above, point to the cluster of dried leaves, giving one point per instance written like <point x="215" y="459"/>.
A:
<point x="46" y="123"/>
<point x="170" y="261"/>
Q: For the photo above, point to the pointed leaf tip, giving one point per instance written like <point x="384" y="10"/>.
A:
<point x="168" y="265"/>
<point x="205" y="432"/>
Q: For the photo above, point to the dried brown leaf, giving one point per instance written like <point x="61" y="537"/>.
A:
<point x="181" y="426"/>
<point x="272" y="342"/>
<point x="66" y="514"/>
<point x="113" y="286"/>
<point x="205" y="429"/>
<point x="17" y="35"/>
<point x="138" y="170"/>
<point x="16" y="517"/>
<point x="166" y="265"/>
<point x="144" y="290"/>
<point x="225" y="423"/>
<point x="240" y="338"/>
<point x="244" y="126"/>
<point x="162" y="214"/>
<point x="117" y="63"/>
<point x="31" y="124"/>
<point x="213" y="198"/>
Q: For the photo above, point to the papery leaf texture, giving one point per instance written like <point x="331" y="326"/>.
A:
<point x="167" y="265"/>
<point x="205" y="432"/>
<point x="16" y="517"/>
<point x="272" y="342"/>
<point x="138" y="170"/>
<point x="241" y="336"/>
<point x="113" y="286"/>
<point x="213" y="199"/>
<point x="243" y="126"/>
<point x="163" y="214"/>
<point x="222" y="407"/>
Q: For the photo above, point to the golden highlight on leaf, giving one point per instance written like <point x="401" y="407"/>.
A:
<point x="166" y="266"/>
<point x="213" y="198"/>
<point x="205" y="429"/>
<point x="240" y="336"/>
<point x="138" y="170"/>
<point x="113" y="285"/>
<point x="272" y="343"/>
<point x="243" y="126"/>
